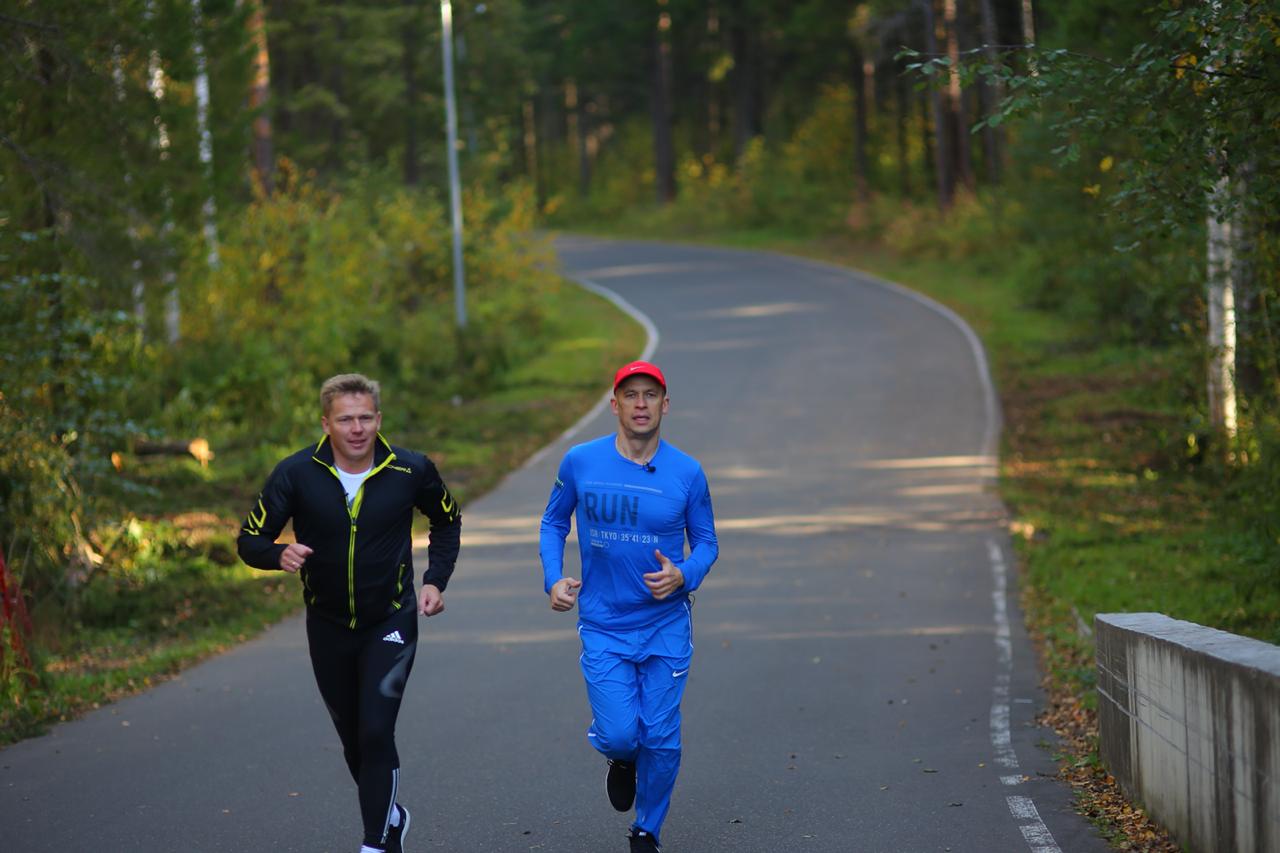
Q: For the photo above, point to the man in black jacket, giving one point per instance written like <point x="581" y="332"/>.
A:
<point x="351" y="498"/>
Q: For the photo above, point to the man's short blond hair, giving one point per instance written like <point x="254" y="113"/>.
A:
<point x="349" y="383"/>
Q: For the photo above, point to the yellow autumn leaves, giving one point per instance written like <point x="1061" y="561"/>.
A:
<point x="1104" y="165"/>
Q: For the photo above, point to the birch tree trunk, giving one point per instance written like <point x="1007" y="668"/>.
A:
<point x="169" y="282"/>
<point x="1222" y="229"/>
<point x="451" y="154"/>
<point x="1029" y="32"/>
<point x="1222" y="311"/>
<point x="209" y="210"/>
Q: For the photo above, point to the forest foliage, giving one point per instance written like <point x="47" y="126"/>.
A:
<point x="160" y="295"/>
<point x="194" y="195"/>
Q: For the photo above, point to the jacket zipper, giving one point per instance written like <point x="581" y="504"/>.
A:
<point x="353" y="511"/>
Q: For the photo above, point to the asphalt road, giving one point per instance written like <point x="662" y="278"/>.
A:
<point x="862" y="679"/>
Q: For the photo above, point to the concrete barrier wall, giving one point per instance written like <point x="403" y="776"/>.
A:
<point x="1189" y="719"/>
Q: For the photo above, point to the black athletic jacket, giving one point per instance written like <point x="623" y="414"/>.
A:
<point x="361" y="570"/>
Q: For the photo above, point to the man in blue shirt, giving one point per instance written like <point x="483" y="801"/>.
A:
<point x="636" y="499"/>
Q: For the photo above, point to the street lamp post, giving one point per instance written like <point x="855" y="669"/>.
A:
<point x="455" y="191"/>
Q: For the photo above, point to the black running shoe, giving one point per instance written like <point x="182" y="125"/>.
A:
<point x="621" y="784"/>
<point x="643" y="842"/>
<point x="395" y="838"/>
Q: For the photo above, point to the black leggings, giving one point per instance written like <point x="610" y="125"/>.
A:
<point x="361" y="675"/>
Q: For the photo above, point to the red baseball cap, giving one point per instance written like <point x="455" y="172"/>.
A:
<point x="639" y="368"/>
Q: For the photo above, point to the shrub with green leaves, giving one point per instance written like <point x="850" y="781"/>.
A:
<point x="66" y="403"/>
<point x="316" y="281"/>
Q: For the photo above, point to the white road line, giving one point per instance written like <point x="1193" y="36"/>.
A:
<point x="651" y="344"/>
<point x="1034" y="832"/>
<point x="1001" y="737"/>
<point x="1023" y="809"/>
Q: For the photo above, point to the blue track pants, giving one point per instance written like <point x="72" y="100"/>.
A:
<point x="635" y="681"/>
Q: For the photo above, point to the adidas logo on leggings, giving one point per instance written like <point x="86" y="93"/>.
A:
<point x="393" y="637"/>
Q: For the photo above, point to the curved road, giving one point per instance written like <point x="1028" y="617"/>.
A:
<point x="862" y="680"/>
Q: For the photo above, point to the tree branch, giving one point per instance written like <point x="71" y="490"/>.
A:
<point x="31" y="25"/>
<point x="1206" y="72"/>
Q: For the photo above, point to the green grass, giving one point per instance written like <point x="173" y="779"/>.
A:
<point x="139" y="633"/>
<point x="176" y="593"/>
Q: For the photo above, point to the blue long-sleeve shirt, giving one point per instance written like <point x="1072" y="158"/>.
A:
<point x="626" y="511"/>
